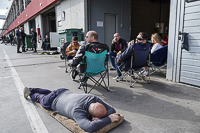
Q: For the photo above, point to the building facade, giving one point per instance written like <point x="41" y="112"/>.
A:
<point x="127" y="17"/>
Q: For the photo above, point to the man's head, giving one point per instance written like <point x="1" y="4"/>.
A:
<point x="22" y="28"/>
<point x="75" y="39"/>
<point x="117" y="37"/>
<point x="142" y="37"/>
<point x="91" y="36"/>
<point x="97" y="110"/>
<point x="18" y="27"/>
<point x="32" y="29"/>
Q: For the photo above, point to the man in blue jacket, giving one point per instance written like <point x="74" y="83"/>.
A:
<point x="125" y="58"/>
<point x="89" y="111"/>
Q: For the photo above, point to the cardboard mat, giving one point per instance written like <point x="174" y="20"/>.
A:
<point x="73" y="126"/>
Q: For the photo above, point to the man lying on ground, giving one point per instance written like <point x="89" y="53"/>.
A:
<point x="89" y="111"/>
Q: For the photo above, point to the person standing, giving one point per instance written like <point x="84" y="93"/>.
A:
<point x="11" y="38"/>
<point x="117" y="47"/>
<point x="18" y="37"/>
<point x="34" y="39"/>
<point x="23" y="35"/>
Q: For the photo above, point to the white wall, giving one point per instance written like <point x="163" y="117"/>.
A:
<point x="74" y="14"/>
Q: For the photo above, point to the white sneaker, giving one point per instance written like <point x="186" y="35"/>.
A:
<point x="144" y="73"/>
<point x="118" y="78"/>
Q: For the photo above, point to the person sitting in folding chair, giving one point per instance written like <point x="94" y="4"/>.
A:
<point x="157" y="44"/>
<point x="91" y="46"/>
<point x="124" y="60"/>
<point x="72" y="49"/>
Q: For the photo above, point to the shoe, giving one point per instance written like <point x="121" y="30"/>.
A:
<point x="73" y="74"/>
<point x="112" y="68"/>
<point x="27" y="92"/>
<point x="119" y="78"/>
<point x="19" y="52"/>
<point x="34" y="51"/>
<point x="146" y="73"/>
<point x="24" y="51"/>
<point x="83" y="81"/>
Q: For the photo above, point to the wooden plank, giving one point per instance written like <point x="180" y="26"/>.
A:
<point x="193" y="69"/>
<point x="192" y="9"/>
<point x="192" y="16"/>
<point x="195" y="3"/>
<point x="192" y="75"/>
<point x="192" y="29"/>
<point x="193" y="56"/>
<point x="190" y="81"/>
<point x="192" y="23"/>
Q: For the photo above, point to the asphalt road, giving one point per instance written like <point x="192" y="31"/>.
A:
<point x="159" y="107"/>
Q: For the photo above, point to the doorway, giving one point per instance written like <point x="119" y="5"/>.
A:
<point x="109" y="28"/>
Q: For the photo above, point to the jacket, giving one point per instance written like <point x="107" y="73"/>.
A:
<point x="123" y="45"/>
<point x="72" y="47"/>
<point x="33" y="36"/>
<point x="94" y="47"/>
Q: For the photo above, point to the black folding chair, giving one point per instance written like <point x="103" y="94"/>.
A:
<point x="63" y="55"/>
<point x="159" y="60"/>
<point x="140" y="58"/>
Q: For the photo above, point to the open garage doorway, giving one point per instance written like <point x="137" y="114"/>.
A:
<point x="150" y="16"/>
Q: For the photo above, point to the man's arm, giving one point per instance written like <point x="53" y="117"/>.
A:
<point x="68" y="49"/>
<point x="126" y="54"/>
<point x="89" y="125"/>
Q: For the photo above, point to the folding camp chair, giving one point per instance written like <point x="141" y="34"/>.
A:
<point x="140" y="58"/>
<point x="158" y="59"/>
<point x="96" y="64"/>
<point x="63" y="55"/>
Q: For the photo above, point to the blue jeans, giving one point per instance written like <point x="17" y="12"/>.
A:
<point x="45" y="97"/>
<point x="112" y="56"/>
<point x="118" y="72"/>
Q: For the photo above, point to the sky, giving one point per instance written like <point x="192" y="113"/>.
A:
<point x="3" y="11"/>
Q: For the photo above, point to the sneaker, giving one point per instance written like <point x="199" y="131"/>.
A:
<point x="144" y="73"/>
<point x="73" y="74"/>
<point x="118" y="78"/>
<point x="112" y="68"/>
<point x="27" y="92"/>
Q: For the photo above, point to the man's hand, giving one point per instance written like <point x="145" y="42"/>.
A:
<point x="118" y="53"/>
<point x="74" y="51"/>
<point x="113" y="41"/>
<point x="114" y="117"/>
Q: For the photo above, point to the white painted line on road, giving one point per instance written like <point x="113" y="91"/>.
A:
<point x="5" y="77"/>
<point x="35" y="121"/>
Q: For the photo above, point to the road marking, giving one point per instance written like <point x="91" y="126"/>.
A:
<point x="35" y="121"/>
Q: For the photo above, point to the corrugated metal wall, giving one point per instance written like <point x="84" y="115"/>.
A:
<point x="190" y="61"/>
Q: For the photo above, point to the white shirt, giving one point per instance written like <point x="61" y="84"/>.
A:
<point x="156" y="47"/>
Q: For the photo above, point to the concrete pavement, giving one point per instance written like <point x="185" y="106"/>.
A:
<point x="159" y="107"/>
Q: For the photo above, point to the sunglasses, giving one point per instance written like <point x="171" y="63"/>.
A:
<point x="75" y="42"/>
<point x="140" y="39"/>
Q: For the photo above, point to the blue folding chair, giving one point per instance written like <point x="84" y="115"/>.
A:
<point x="140" y="58"/>
<point x="96" y="64"/>
<point x="158" y="60"/>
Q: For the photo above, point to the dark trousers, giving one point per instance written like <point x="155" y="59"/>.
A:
<point x="23" y="45"/>
<point x="18" y="44"/>
<point x="69" y="57"/>
<point x="11" y="41"/>
<point x="34" y="45"/>
<point x="112" y="56"/>
<point x="45" y="97"/>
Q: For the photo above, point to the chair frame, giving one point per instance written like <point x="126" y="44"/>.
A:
<point x="131" y="71"/>
<point x="156" y="68"/>
<point x="97" y="82"/>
